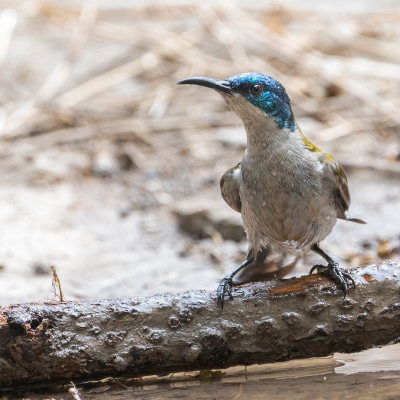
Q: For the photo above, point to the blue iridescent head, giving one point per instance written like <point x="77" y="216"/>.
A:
<point x="261" y="90"/>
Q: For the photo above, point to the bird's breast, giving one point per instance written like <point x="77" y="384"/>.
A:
<point x="284" y="198"/>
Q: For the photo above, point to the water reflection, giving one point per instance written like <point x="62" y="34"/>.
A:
<point x="373" y="374"/>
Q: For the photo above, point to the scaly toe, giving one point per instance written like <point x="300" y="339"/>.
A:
<point x="224" y="288"/>
<point x="340" y="277"/>
<point x="349" y="277"/>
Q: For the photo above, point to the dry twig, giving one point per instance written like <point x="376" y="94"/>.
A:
<point x="56" y="284"/>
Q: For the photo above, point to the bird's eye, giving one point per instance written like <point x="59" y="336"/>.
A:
<point x="256" y="89"/>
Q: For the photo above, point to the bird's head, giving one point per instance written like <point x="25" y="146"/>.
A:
<point x="252" y="96"/>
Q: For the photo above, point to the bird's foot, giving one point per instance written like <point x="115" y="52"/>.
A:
<point x="224" y="288"/>
<point x="338" y="275"/>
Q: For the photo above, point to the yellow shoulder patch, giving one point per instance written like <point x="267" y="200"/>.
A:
<point x="310" y="145"/>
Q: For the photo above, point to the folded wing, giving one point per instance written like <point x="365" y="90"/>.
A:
<point x="229" y="184"/>
<point x="336" y="177"/>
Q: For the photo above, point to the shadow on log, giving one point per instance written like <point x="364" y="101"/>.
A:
<point x="266" y="322"/>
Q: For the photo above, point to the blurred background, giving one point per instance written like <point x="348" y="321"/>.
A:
<point x="111" y="173"/>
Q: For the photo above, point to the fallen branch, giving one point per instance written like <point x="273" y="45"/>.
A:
<point x="266" y="322"/>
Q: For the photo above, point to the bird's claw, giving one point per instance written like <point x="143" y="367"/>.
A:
<point x="337" y="274"/>
<point x="225" y="287"/>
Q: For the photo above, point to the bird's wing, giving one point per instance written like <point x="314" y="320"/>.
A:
<point x="334" y="174"/>
<point x="230" y="188"/>
<point x="336" y="177"/>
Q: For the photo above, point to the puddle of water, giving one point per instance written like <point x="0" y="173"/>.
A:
<point x="373" y="360"/>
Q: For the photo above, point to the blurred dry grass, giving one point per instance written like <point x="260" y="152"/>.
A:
<point x="113" y="71"/>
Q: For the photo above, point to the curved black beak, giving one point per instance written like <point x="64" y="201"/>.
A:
<point x="220" y="86"/>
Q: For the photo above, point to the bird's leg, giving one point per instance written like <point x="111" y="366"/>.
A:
<point x="333" y="268"/>
<point x="225" y="287"/>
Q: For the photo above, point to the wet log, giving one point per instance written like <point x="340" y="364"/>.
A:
<point x="266" y="322"/>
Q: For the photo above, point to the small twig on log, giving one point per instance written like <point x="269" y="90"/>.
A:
<point x="265" y="322"/>
<point x="56" y="284"/>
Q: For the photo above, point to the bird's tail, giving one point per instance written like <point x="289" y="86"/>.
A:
<point x="357" y="220"/>
<point x="270" y="264"/>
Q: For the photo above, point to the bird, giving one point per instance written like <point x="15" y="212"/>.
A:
<point x="289" y="192"/>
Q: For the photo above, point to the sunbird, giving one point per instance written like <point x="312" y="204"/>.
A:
<point x="288" y="192"/>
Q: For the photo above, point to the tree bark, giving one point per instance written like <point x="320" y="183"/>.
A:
<point x="266" y="322"/>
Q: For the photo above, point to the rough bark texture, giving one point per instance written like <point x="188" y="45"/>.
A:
<point x="266" y="322"/>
